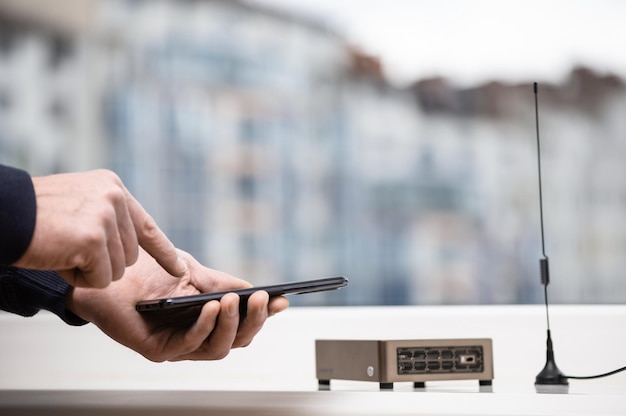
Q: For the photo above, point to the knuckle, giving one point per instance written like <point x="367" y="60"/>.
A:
<point x="155" y="358"/>
<point x="92" y="238"/>
<point x="220" y="353"/>
<point x="154" y="355"/>
<point x="244" y="344"/>
<point x="109" y="174"/>
<point x="115" y="195"/>
<point x="149" y="227"/>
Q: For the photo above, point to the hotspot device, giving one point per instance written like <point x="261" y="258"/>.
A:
<point x="417" y="361"/>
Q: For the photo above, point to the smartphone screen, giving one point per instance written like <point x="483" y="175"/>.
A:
<point x="307" y="286"/>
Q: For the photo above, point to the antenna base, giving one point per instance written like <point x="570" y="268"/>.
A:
<point x="551" y="380"/>
<point x="550" y="375"/>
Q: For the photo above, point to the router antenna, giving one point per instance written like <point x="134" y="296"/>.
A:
<point x="543" y="262"/>
<point x="550" y="375"/>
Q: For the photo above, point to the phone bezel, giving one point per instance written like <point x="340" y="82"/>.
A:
<point x="289" y="288"/>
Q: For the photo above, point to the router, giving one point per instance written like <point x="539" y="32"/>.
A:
<point x="417" y="361"/>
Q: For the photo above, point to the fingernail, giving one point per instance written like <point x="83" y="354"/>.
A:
<point x="181" y="266"/>
<point x="233" y="309"/>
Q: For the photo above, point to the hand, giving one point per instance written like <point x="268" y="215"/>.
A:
<point x="88" y="228"/>
<point x="207" y="336"/>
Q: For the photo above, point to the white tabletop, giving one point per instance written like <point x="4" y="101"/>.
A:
<point x="48" y="366"/>
<point x="402" y="401"/>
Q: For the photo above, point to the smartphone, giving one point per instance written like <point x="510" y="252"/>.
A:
<point x="192" y="301"/>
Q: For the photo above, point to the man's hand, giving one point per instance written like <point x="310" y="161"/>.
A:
<point x="170" y="337"/>
<point x="88" y="228"/>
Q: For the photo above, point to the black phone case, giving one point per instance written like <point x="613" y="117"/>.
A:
<point x="308" y="286"/>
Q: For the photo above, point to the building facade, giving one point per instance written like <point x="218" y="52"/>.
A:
<point x="267" y="147"/>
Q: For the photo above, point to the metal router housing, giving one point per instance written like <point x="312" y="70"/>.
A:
<point x="389" y="361"/>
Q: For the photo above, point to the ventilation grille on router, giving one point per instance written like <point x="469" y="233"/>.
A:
<point x="417" y="360"/>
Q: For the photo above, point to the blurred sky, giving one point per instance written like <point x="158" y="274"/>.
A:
<point x="471" y="41"/>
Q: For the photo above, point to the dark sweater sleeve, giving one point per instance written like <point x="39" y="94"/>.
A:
<point x="25" y="292"/>
<point x="18" y="210"/>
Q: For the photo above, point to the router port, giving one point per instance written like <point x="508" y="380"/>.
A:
<point x="405" y="367"/>
<point x="424" y="360"/>
<point x="420" y="366"/>
<point x="447" y="365"/>
<point x="467" y="359"/>
<point x="433" y="365"/>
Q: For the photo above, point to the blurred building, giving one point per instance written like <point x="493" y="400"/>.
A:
<point x="584" y="177"/>
<point x="46" y="104"/>
<point x="269" y="148"/>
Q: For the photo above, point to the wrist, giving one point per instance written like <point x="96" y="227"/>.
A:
<point x="74" y="302"/>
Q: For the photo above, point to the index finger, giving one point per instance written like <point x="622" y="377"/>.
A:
<point x="154" y="240"/>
